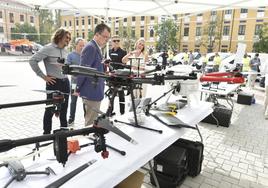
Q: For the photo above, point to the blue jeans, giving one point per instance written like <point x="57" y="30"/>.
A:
<point x="73" y="107"/>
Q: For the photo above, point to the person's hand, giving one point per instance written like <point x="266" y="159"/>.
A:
<point x="76" y="94"/>
<point x="50" y="80"/>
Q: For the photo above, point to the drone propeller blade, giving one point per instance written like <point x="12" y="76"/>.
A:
<point x="58" y="64"/>
<point x="106" y="124"/>
<point x="50" y="91"/>
<point x="7" y="85"/>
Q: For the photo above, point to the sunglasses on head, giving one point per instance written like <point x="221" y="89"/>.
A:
<point x="116" y="40"/>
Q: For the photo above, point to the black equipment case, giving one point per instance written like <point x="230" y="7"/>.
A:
<point x="194" y="155"/>
<point x="222" y="114"/>
<point x="170" y="167"/>
<point x="244" y="98"/>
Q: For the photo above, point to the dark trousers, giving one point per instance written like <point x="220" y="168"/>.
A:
<point x="62" y="85"/>
<point x="73" y="107"/>
<point x="121" y="95"/>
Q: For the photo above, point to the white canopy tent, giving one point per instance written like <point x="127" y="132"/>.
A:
<point x="125" y="8"/>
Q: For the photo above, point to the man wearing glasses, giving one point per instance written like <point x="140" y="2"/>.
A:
<point x="90" y="89"/>
<point x="52" y="55"/>
<point x="116" y="54"/>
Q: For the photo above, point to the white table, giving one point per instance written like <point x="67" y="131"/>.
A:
<point x="223" y="89"/>
<point x="109" y="172"/>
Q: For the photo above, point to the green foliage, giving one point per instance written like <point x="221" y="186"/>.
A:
<point x="90" y="35"/>
<point x="25" y="30"/>
<point x="128" y="39"/>
<point x="167" y="32"/>
<point x="46" y="26"/>
<point x="211" y="34"/>
<point x="261" y="45"/>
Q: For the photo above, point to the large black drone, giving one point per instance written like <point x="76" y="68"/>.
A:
<point x="128" y="82"/>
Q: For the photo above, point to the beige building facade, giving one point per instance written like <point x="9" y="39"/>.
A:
<point x="12" y="12"/>
<point x="229" y="27"/>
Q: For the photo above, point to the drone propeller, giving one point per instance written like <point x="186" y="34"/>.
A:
<point x="107" y="124"/>
<point x="7" y="85"/>
<point x="51" y="91"/>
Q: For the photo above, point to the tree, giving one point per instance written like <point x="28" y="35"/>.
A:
<point x="46" y="26"/>
<point x="211" y="34"/>
<point x="90" y="35"/>
<point x="261" y="45"/>
<point x="167" y="32"/>
<point x="128" y="39"/>
<point x="24" y="31"/>
<point x="57" y="19"/>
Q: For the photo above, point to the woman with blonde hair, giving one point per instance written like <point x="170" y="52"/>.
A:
<point x="138" y="59"/>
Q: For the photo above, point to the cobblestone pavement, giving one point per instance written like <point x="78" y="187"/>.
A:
<point x="234" y="157"/>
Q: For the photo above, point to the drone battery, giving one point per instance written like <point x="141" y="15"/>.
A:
<point x="172" y="162"/>
<point x="194" y="155"/>
<point x="244" y="98"/>
<point x="221" y="114"/>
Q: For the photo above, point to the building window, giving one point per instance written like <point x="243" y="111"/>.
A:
<point x="117" y="32"/>
<point x="125" y="19"/>
<point x="31" y="19"/>
<point x="133" y="18"/>
<point x="186" y="32"/>
<point x="95" y="21"/>
<point x="22" y="18"/>
<point x="261" y="9"/>
<point x="116" y="19"/>
<point x="77" y="22"/>
<point x="152" y="17"/>
<point x="199" y="14"/>
<point x="1" y="14"/>
<point x="1" y="29"/>
<point x="70" y="23"/>
<point x="242" y="21"/>
<point x="151" y="33"/>
<point x="65" y="23"/>
<point x="228" y="11"/>
<point x="11" y="17"/>
<point x="142" y="18"/>
<point x="142" y="33"/>
<point x="175" y="16"/>
<point x="243" y="10"/>
<point x="198" y="31"/>
<point x="241" y="30"/>
<point x="258" y="28"/>
<point x="213" y="13"/>
<point x="77" y="34"/>
<point x="226" y="30"/>
<point x="83" y="35"/>
<point x="89" y="21"/>
<point x="83" y="22"/>
<point x="133" y="32"/>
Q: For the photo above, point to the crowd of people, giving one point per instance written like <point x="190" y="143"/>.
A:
<point x="90" y="55"/>
<point x="84" y="54"/>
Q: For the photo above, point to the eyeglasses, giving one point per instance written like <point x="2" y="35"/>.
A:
<point x="116" y="40"/>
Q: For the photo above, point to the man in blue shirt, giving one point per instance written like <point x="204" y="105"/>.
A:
<point x="254" y="66"/>
<point x="73" y="58"/>
<point x="92" y="89"/>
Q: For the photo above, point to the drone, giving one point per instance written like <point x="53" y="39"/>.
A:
<point x="18" y="172"/>
<point x="128" y="82"/>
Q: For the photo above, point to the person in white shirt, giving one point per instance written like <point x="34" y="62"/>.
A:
<point x="265" y="71"/>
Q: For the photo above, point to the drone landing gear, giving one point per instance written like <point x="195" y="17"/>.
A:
<point x="18" y="172"/>
<point x="135" y="115"/>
